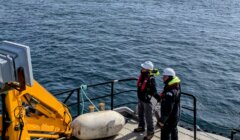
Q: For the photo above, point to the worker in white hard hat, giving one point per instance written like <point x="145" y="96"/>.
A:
<point x="170" y="105"/>
<point x="146" y="89"/>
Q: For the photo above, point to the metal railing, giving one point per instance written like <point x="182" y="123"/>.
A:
<point x="113" y="93"/>
<point x="194" y="110"/>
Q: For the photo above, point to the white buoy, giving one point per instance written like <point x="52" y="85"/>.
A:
<point x="97" y="125"/>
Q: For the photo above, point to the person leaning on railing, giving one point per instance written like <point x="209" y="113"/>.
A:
<point x="146" y="88"/>
<point x="170" y="105"/>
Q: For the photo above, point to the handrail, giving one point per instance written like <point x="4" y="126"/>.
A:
<point x="194" y="112"/>
<point x="94" y="85"/>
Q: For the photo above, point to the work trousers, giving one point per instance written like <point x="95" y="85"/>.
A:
<point x="169" y="131"/>
<point x="145" y="112"/>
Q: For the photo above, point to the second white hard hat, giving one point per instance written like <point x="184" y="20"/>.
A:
<point x="169" y="72"/>
<point x="147" y="65"/>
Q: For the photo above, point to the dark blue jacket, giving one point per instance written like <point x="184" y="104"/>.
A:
<point x="170" y="105"/>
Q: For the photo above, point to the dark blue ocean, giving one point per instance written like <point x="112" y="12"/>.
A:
<point x="91" y="41"/>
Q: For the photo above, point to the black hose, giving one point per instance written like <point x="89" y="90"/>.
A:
<point x="20" y="135"/>
<point x="21" y="127"/>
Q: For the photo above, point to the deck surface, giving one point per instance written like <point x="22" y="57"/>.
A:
<point x="127" y="134"/>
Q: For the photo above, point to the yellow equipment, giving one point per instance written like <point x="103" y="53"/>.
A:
<point x="33" y="113"/>
<point x="28" y="109"/>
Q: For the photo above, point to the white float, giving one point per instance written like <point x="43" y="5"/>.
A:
<point x="97" y="125"/>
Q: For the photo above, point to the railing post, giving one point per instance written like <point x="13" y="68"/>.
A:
<point x="78" y="101"/>
<point x="232" y="134"/>
<point x="112" y="94"/>
<point x="195" y="119"/>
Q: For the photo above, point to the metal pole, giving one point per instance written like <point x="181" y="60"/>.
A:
<point x="112" y="93"/>
<point x="78" y="101"/>
<point x="232" y="134"/>
<point x="195" y="120"/>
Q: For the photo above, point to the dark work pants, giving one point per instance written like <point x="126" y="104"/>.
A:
<point x="145" y="112"/>
<point x="169" y="131"/>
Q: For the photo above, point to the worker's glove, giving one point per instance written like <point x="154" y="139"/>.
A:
<point x="160" y="124"/>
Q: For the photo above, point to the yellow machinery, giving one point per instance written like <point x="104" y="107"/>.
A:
<point x="28" y="110"/>
<point x="33" y="113"/>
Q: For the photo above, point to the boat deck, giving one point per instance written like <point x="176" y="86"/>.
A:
<point x="127" y="134"/>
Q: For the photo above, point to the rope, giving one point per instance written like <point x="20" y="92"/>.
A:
<point x="83" y="88"/>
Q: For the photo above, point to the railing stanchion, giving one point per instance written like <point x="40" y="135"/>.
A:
<point x="112" y="94"/>
<point x="78" y="101"/>
<point x="194" y="113"/>
<point x="233" y="132"/>
<point x="194" y="117"/>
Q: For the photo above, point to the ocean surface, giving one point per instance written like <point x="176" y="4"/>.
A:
<point x="91" y="41"/>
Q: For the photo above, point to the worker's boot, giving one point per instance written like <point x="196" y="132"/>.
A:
<point x="148" y="136"/>
<point x="139" y="129"/>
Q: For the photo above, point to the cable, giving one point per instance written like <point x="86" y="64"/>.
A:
<point x="21" y="127"/>
<point x="19" y="117"/>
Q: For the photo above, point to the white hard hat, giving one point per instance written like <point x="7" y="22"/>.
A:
<point x="169" y="72"/>
<point x="147" y="65"/>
